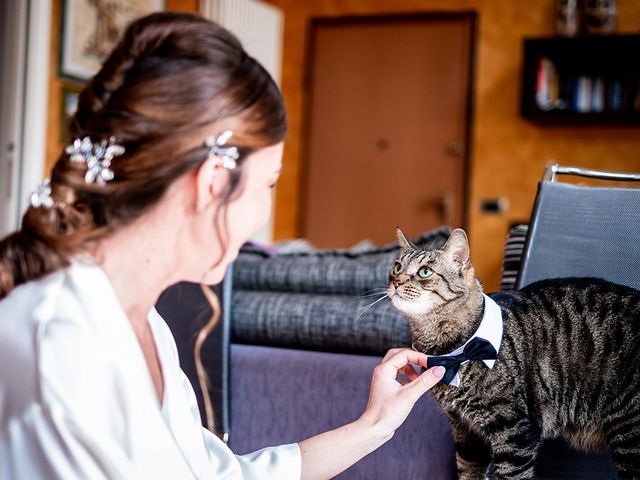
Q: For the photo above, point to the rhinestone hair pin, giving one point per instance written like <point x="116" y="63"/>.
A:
<point x="97" y="157"/>
<point x="41" y="196"/>
<point x="228" y="155"/>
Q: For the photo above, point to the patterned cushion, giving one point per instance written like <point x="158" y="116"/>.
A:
<point x="320" y="299"/>
<point x="344" y="272"/>
<point x="513" y="250"/>
<point x="337" y="323"/>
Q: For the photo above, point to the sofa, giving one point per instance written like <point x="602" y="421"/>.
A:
<point x="295" y="350"/>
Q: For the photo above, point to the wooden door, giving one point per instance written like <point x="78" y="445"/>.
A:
<point x="387" y="128"/>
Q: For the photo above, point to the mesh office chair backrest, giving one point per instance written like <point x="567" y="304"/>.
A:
<point x="583" y="231"/>
<point x="579" y="231"/>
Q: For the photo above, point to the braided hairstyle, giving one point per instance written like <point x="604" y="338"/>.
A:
<point x="172" y="80"/>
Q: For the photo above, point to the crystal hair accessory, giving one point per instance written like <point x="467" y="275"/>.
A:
<point x="41" y="196"/>
<point x="227" y="155"/>
<point x="97" y="156"/>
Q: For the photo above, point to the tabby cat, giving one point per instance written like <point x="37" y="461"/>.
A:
<point x="568" y="364"/>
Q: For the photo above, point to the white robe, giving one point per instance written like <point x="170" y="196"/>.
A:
<point x="77" y="400"/>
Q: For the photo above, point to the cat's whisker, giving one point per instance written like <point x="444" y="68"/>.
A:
<point x="382" y="292"/>
<point x="374" y="290"/>
<point x="373" y="303"/>
<point x="361" y="311"/>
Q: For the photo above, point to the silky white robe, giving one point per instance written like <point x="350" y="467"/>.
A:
<point x="77" y="400"/>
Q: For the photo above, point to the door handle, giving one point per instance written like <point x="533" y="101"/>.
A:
<point x="444" y="204"/>
<point x="455" y="148"/>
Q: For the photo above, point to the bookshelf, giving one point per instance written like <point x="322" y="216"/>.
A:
<point x="581" y="80"/>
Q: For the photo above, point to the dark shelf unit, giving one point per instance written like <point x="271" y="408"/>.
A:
<point x="613" y="61"/>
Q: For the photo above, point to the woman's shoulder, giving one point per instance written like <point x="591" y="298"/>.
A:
<point x="22" y="314"/>
<point x="48" y="347"/>
<point x="32" y="308"/>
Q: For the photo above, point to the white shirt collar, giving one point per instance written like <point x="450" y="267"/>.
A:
<point x="490" y="329"/>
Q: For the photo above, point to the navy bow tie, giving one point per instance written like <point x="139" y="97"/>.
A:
<point x="477" y="349"/>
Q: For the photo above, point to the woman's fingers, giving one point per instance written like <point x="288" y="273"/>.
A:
<point x="390" y="353"/>
<point x="391" y="398"/>
<point x="402" y="357"/>
<point x="409" y="372"/>
<point x="425" y="381"/>
<point x="399" y="361"/>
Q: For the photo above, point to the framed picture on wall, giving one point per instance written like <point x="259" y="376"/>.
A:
<point x="68" y="106"/>
<point x="89" y="29"/>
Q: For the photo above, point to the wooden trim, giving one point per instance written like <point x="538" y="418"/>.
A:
<point x="473" y="43"/>
<point x="391" y="17"/>
<point x="34" y="132"/>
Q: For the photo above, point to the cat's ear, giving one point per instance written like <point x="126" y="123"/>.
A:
<point x="456" y="250"/>
<point x="402" y="240"/>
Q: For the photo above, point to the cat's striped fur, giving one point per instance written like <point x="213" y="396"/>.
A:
<point x="568" y="365"/>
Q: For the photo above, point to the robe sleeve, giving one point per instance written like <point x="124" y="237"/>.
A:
<point x="47" y="443"/>
<point x="282" y="462"/>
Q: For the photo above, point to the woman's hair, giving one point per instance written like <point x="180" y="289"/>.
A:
<point x="172" y="80"/>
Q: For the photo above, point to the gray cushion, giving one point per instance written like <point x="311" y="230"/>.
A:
<point x="324" y="271"/>
<point x="320" y="299"/>
<point x="338" y="323"/>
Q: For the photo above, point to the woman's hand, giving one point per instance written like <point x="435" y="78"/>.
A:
<point x="390" y="400"/>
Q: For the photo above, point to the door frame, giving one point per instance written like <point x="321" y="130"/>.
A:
<point x="26" y="37"/>
<point x="383" y="18"/>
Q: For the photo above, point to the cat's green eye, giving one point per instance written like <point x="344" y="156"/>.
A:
<point x="425" y="272"/>
<point x="397" y="268"/>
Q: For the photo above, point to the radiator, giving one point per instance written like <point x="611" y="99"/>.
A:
<point x="257" y="24"/>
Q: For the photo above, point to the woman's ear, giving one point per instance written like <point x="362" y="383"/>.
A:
<point x="211" y="180"/>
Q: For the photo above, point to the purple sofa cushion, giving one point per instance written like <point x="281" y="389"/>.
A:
<point x="281" y="396"/>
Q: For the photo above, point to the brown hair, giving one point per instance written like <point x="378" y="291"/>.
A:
<point x="173" y="79"/>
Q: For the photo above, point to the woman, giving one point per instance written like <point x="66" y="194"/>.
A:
<point x="178" y="144"/>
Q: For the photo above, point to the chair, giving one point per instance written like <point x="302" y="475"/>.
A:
<point x="581" y="231"/>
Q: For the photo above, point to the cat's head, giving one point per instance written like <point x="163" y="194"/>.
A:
<point x="425" y="284"/>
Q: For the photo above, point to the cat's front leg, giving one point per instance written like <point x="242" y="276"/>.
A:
<point x="515" y="449"/>
<point x="472" y="453"/>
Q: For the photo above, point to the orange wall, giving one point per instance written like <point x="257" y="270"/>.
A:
<point x="508" y="153"/>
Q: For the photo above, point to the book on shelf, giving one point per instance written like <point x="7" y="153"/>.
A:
<point x="614" y="95"/>
<point x="580" y="92"/>
<point x="545" y="84"/>
<point x="583" y="95"/>
<point x="597" y="95"/>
